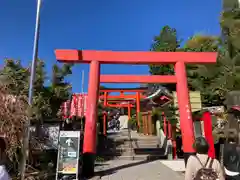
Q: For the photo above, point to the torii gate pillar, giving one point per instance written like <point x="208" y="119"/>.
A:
<point x="93" y="92"/>
<point x="185" y="113"/>
<point x="89" y="146"/>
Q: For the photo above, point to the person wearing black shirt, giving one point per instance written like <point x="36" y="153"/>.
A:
<point x="231" y="160"/>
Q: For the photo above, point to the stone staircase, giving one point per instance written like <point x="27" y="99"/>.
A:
<point x="131" y="145"/>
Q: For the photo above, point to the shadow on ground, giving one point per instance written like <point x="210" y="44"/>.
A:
<point x="158" y="152"/>
<point x="107" y="148"/>
<point x="115" y="169"/>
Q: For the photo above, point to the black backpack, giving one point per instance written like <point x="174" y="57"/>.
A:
<point x="206" y="173"/>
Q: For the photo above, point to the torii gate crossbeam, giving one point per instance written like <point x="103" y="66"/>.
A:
<point x="137" y="79"/>
<point x="110" y="90"/>
<point x="95" y="58"/>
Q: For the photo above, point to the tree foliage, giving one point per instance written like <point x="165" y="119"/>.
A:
<point x="13" y="115"/>
<point x="166" y="41"/>
<point x="14" y="111"/>
<point x="47" y="98"/>
<point x="201" y="77"/>
<point x="59" y="90"/>
<point x="212" y="80"/>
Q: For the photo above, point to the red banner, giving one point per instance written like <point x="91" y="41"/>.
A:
<point x="79" y="105"/>
<point x="207" y="119"/>
<point x="76" y="107"/>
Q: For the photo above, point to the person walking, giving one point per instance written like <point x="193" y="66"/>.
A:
<point x="201" y="166"/>
<point x="231" y="158"/>
<point x="3" y="172"/>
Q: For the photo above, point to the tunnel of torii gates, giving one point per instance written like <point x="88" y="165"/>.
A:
<point x="96" y="58"/>
<point x="120" y="101"/>
<point x="129" y="101"/>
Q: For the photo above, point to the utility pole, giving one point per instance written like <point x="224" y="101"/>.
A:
<point x="83" y="100"/>
<point x="82" y="81"/>
<point x="30" y="93"/>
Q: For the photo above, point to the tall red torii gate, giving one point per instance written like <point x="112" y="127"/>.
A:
<point x="95" y="58"/>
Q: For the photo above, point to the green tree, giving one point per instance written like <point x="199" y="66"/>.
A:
<point x="230" y="25"/>
<point x="14" y="84"/>
<point x="215" y="80"/>
<point x="41" y="108"/>
<point x="59" y="90"/>
<point x="202" y="76"/>
<point x="230" y="58"/>
<point x="166" y="41"/>
<point x="14" y="77"/>
<point x="228" y="78"/>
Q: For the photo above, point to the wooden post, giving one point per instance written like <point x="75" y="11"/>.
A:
<point x="138" y="108"/>
<point x="129" y="111"/>
<point x="149" y="119"/>
<point x="144" y="124"/>
<point x="164" y="124"/>
<point x="174" y="141"/>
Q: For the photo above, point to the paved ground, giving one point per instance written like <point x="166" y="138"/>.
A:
<point x="176" y="165"/>
<point x="136" y="170"/>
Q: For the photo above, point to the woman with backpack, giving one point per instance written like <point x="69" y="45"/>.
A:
<point x="231" y="158"/>
<point x="201" y="166"/>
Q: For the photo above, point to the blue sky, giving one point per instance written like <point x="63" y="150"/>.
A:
<point x="102" y="25"/>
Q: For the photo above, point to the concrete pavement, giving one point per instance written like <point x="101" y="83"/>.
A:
<point x="135" y="170"/>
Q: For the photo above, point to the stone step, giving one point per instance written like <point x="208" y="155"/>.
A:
<point x="117" y="153"/>
<point x="152" y="151"/>
<point x="135" y="138"/>
<point x="145" y="143"/>
<point x="137" y="142"/>
<point x="134" y="151"/>
<point x="137" y="157"/>
<point x="127" y="146"/>
<point x="119" y="150"/>
<point x="120" y="138"/>
<point x="136" y="147"/>
<point x="146" y="139"/>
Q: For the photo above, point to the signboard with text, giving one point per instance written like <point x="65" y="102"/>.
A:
<point x="68" y="152"/>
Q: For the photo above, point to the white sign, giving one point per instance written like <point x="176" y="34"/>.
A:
<point x="214" y="109"/>
<point x="72" y="154"/>
<point x="69" y="134"/>
<point x="68" y="152"/>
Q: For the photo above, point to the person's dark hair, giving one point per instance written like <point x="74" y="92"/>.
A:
<point x="232" y="137"/>
<point x="2" y="144"/>
<point x="3" y="147"/>
<point x="201" y="145"/>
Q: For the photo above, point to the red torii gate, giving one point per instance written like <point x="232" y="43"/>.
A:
<point x="123" y="97"/>
<point x="115" y="99"/>
<point x="95" y="58"/>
